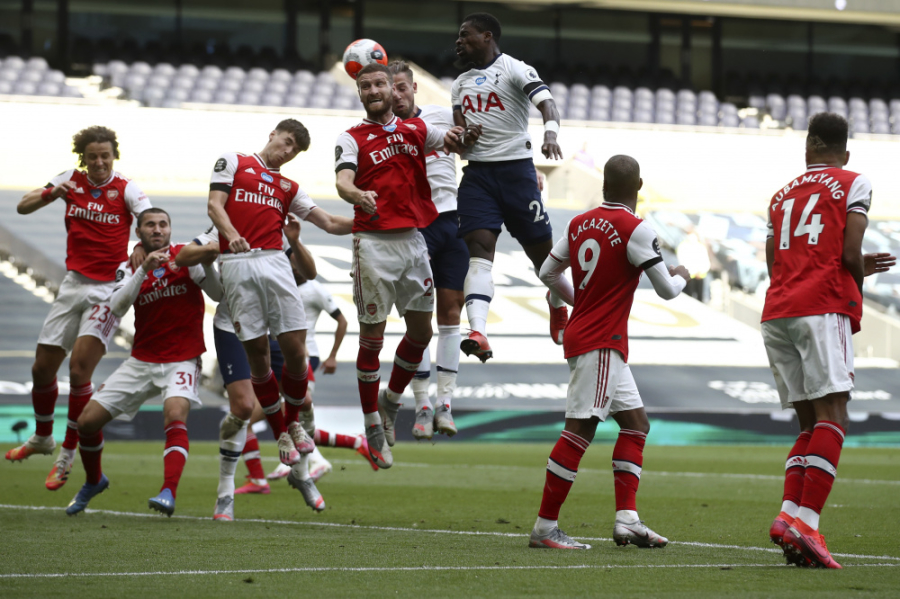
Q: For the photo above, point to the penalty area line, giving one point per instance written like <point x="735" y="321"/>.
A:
<point x="418" y="530"/>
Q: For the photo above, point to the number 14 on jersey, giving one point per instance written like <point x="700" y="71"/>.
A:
<point x="810" y="224"/>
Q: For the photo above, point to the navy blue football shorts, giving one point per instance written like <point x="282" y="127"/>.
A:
<point x="233" y="364"/>
<point x="492" y="194"/>
<point x="448" y="253"/>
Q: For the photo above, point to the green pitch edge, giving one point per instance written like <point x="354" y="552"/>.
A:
<point x="9" y="415"/>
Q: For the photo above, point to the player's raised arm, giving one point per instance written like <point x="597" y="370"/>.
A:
<point x="219" y="187"/>
<point x="539" y="94"/>
<point x="345" y="175"/>
<point x="207" y="278"/>
<point x="554" y="267"/>
<point x="128" y="282"/>
<point x="36" y="199"/>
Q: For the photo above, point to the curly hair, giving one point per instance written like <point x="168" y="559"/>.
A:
<point x="95" y="134"/>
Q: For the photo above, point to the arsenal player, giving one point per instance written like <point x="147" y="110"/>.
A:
<point x="99" y="205"/>
<point x="608" y="248"/>
<point x="249" y="201"/>
<point x="165" y="359"/>
<point x="381" y="169"/>
<point x="813" y="306"/>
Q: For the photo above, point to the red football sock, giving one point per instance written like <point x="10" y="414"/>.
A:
<point x="822" y="456"/>
<point x="44" y="400"/>
<point x="627" y="463"/>
<point x="294" y="387"/>
<point x="91" y="450"/>
<point x="561" y="470"/>
<point x="795" y="469"/>
<point x="175" y="455"/>
<point x="251" y="456"/>
<point x="367" y="375"/>
<point x="406" y="363"/>
<point x="78" y="398"/>
<point x="334" y="439"/>
<point x="269" y="397"/>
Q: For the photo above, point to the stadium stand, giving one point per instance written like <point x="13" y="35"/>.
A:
<point x="33" y="77"/>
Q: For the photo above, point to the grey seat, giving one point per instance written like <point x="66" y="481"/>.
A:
<point x="859" y="126"/>
<point x="211" y="71"/>
<point x="271" y="99"/>
<point x="224" y="96"/>
<point x="69" y="91"/>
<point x="248" y="98"/>
<point x="600" y="91"/>
<point x="189" y="70"/>
<point x="235" y="73"/>
<point x="295" y="101"/>
<point x="304" y="77"/>
<point x="171" y="103"/>
<point x="229" y="85"/>
<point x="750" y="122"/>
<point x="31" y="76"/>
<point x="730" y="120"/>
<point x="159" y="81"/>
<point x="299" y="89"/>
<point x="578" y="102"/>
<point x="24" y="88"/>
<point x="53" y="76"/>
<point x="776" y="106"/>
<point x="14" y="62"/>
<point x="599" y="113"/>
<point x="727" y="108"/>
<point x="202" y="95"/>
<point x="182" y="82"/>
<point x="757" y="102"/>
<point x="253" y="86"/>
<point x="140" y="68"/>
<point x="621" y="115"/>
<point x="345" y="103"/>
<point x="276" y="87"/>
<point x="665" y="117"/>
<point x="644" y="103"/>
<point x="206" y="83"/>
<point x="164" y="69"/>
<point x="36" y="63"/>
<point x="683" y="117"/>
<point x="134" y="81"/>
<point x="6" y="87"/>
<point x="179" y="94"/>
<point x="9" y="75"/>
<point x="153" y="96"/>
<point x="708" y="119"/>
<point x="643" y="116"/>
<point x="578" y="113"/>
<point x="318" y="101"/>
<point x="49" y="89"/>
<point x="282" y="75"/>
<point x="881" y="128"/>
<point x="258" y="74"/>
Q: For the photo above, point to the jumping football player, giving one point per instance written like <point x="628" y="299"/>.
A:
<point x="99" y="206"/>
<point x="499" y="186"/>
<point x="608" y="248"/>
<point x="165" y="359"/>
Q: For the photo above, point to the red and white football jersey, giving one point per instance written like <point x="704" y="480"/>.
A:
<point x="390" y="160"/>
<point x="98" y="222"/>
<point x="259" y="199"/>
<point x="609" y="248"/>
<point x="168" y="312"/>
<point x="807" y="220"/>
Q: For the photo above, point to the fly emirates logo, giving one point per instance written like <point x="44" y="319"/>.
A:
<point x="160" y="290"/>
<point x="94" y="213"/>
<point x="264" y="195"/>
<point x="396" y="145"/>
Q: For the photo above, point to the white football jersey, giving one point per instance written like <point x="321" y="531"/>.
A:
<point x="441" y="168"/>
<point x="316" y="299"/>
<point x="498" y="97"/>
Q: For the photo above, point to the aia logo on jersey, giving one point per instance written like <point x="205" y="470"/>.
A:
<point x="480" y="80"/>
<point x="390" y="128"/>
<point x="159" y="272"/>
<point x="96" y="193"/>
<point x="267" y="178"/>
<point x="371" y="309"/>
<point x="285" y="185"/>
<point x="112" y="194"/>
<point x="482" y="105"/>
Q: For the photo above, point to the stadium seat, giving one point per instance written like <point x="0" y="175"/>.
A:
<point x="318" y="101"/>
<point x="304" y="77"/>
<point x="13" y="62"/>
<point x="859" y="127"/>
<point x="206" y="83"/>
<point x="684" y="117"/>
<point x="708" y="120"/>
<point x="71" y="92"/>
<point x="188" y="70"/>
<point x="30" y="76"/>
<point x="9" y="75"/>
<point x="276" y="87"/>
<point x="258" y="74"/>
<point x="270" y="99"/>
<point x="750" y="122"/>
<point x="248" y="98"/>
<point x="6" y="87"/>
<point x="36" y="63"/>
<point x="54" y="77"/>
<point x="665" y="118"/>
<point x="24" y="88"/>
<point x="211" y="71"/>
<point x="253" y="86"/>
<point x="730" y="120"/>
<point x="881" y="128"/>
<point x="225" y="97"/>
<point x="757" y="102"/>
<point x="776" y="106"/>
<point x="230" y="85"/>
<point x="643" y="116"/>
<point x="202" y="95"/>
<point x="140" y="68"/>
<point x="281" y="75"/>
<point x="49" y="89"/>
<point x="621" y="115"/>
<point x="178" y="94"/>
<point x="664" y="94"/>
<point x="577" y="113"/>
<point x="599" y="113"/>
<point x="295" y="101"/>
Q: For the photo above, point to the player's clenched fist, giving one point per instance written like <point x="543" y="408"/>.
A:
<point x="292" y="227"/>
<point x="156" y="259"/>
<point x="238" y="246"/>
<point x="366" y="201"/>
<point x="680" y="271"/>
<point x="62" y="189"/>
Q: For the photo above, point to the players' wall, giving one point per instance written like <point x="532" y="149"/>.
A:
<point x="173" y="151"/>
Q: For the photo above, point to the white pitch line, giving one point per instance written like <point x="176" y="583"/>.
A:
<point x="420" y="530"/>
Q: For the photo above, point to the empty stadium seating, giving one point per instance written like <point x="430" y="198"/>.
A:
<point x="33" y="77"/>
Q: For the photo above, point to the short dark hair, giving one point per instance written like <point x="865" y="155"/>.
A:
<point x="95" y="134"/>
<point x="485" y="22"/>
<point x="374" y="67"/>
<point x="622" y="175"/>
<point x="295" y="128"/>
<point x="140" y="218"/>
<point x="827" y="133"/>
<point x="399" y="66"/>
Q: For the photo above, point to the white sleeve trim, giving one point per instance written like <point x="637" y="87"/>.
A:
<point x="346" y="151"/>
<point x="542" y="95"/>
<point x="301" y="205"/>
<point x="643" y="247"/>
<point x="225" y="169"/>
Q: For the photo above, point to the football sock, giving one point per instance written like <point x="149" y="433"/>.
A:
<point x="336" y="440"/>
<point x="562" y="466"/>
<point x="627" y="462"/>
<point x="627" y="516"/>
<point x="794" y="474"/>
<point x="44" y="400"/>
<point x="175" y="455"/>
<point x="301" y="468"/>
<point x="822" y="456"/>
<point x="308" y="419"/>
<point x="266" y="390"/>
<point x="406" y="363"/>
<point x="447" y="362"/>
<point x="251" y="456"/>
<point x="91" y="450"/>
<point x="370" y="418"/>
<point x="294" y="387"/>
<point x="78" y="398"/>
<point x="232" y="439"/>
<point x="479" y="290"/>
<point x="421" y="381"/>
<point x="367" y="375"/>
<point x="544" y="526"/>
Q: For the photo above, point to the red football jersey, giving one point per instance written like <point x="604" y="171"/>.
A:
<point x="807" y="220"/>
<point x="259" y="199"/>
<point x="168" y="312"/>
<point x="608" y="248"/>
<point x="98" y="222"/>
<point x="390" y="160"/>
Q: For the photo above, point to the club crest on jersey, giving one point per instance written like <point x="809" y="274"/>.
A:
<point x="159" y="272"/>
<point x="390" y="128"/>
<point x="173" y="267"/>
<point x="480" y="80"/>
<point x="267" y="178"/>
<point x="285" y="185"/>
<point x="371" y="309"/>
<point x="112" y="194"/>
<point x="413" y="127"/>
<point x="96" y="193"/>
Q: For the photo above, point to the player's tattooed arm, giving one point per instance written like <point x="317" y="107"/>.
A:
<point x="880" y="262"/>
<point x="216" y="209"/>
<point x="38" y="198"/>
<point x="550" y="148"/>
<point x="349" y="192"/>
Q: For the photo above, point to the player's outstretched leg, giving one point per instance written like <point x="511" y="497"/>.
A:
<point x="357" y="443"/>
<point x="794" y="472"/>
<point x="479" y="291"/>
<point x="91" y="450"/>
<point x="447" y="368"/>
<point x="79" y="396"/>
<point x="300" y="479"/>
<point x="627" y="464"/>
<point x="562" y="466"/>
<point x="232" y="438"/>
<point x="174" y="457"/>
<point x="406" y="363"/>
<point x="423" y="428"/>
<point x="41" y="442"/>
<point x="269" y="396"/>
<point x="367" y="365"/>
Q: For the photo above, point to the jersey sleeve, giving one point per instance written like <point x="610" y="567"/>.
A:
<point x="325" y="299"/>
<point x="434" y="137"/>
<point x="526" y="78"/>
<point x="643" y="247"/>
<point x="122" y="272"/>
<point x="301" y="205"/>
<point x="211" y="235"/>
<point x="345" y="152"/>
<point x="859" y="198"/>
<point x="454" y="96"/>
<point x="60" y="178"/>
<point x="560" y="251"/>
<point x="222" y="177"/>
<point x="198" y="274"/>
<point x="136" y="199"/>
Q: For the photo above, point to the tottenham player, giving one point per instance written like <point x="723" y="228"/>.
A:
<point x="499" y="185"/>
<point x="100" y="203"/>
<point x="813" y="306"/>
<point x="165" y="359"/>
<point x="249" y="200"/>
<point x="380" y="168"/>
<point x="449" y="260"/>
<point x="608" y="248"/>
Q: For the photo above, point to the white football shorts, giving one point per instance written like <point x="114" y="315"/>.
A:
<point x="134" y="382"/>
<point x="391" y="270"/>
<point x="600" y="384"/>
<point x="262" y="294"/>
<point x="810" y="356"/>
<point x="81" y="308"/>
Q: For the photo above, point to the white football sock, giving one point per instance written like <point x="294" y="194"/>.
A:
<point x="308" y="421"/>
<point x="421" y="381"/>
<point x="232" y="437"/>
<point x="790" y="508"/>
<point x="809" y="517"/>
<point x="627" y="516"/>
<point x="373" y="418"/>
<point x="479" y="291"/>
<point x="391" y="396"/>
<point x="544" y="526"/>
<point x="301" y="468"/>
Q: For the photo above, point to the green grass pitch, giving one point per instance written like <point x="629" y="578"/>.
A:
<point x="449" y="519"/>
